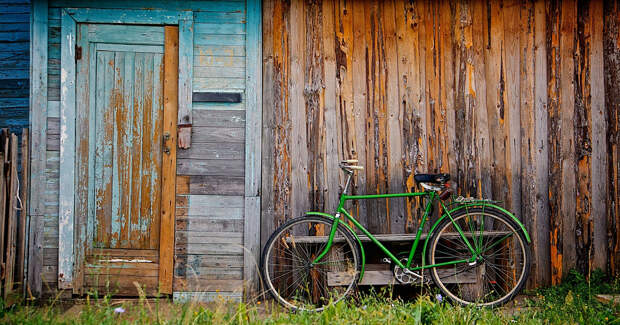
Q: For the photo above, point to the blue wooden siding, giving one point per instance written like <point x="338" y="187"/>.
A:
<point x="14" y="63"/>
<point x="207" y="255"/>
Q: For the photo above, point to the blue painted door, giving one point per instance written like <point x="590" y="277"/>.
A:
<point x="125" y="103"/>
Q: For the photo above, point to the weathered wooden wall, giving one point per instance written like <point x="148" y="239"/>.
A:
<point x="209" y="222"/>
<point x="518" y="100"/>
<point x="14" y="63"/>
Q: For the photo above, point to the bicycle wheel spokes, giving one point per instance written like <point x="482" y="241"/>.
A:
<point x="289" y="268"/>
<point x="496" y="268"/>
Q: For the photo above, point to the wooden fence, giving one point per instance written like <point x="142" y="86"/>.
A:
<point x="12" y="206"/>
<point x="518" y="100"/>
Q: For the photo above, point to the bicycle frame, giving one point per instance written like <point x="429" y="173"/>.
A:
<point x="432" y="197"/>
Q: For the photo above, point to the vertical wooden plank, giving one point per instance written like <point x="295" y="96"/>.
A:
<point x="120" y="178"/>
<point x="314" y="101"/>
<point x="540" y="237"/>
<point x="494" y="38"/>
<point x="299" y="149"/>
<point x="67" y="152"/>
<point x="130" y="137"/>
<point x="253" y="99"/>
<point x="149" y="228"/>
<point x="582" y="137"/>
<point x="276" y="200"/>
<point x="479" y="17"/>
<point x="186" y="59"/>
<point x="528" y="144"/>
<point x="599" y="140"/>
<point x="332" y="139"/>
<point x="171" y="102"/>
<point x="148" y="148"/>
<point x="396" y="207"/>
<point x="433" y="114"/>
<point x="268" y="158"/>
<point x="611" y="56"/>
<point x="132" y="98"/>
<point x="344" y="76"/>
<point x="24" y="188"/>
<point x="453" y="64"/>
<point x="3" y="195"/>
<point x="406" y="43"/>
<point x="376" y="118"/>
<point x="104" y="148"/>
<point x="359" y="106"/>
<point x="11" y="216"/>
<point x="38" y="144"/>
<point x="251" y="237"/>
<point x="445" y="110"/>
<point x="83" y="124"/>
<point x="568" y="24"/>
<point x="555" y="219"/>
<point x="512" y="102"/>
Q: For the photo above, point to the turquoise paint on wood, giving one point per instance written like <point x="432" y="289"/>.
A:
<point x="214" y="6"/>
<point x="14" y="63"/>
<point x="67" y="114"/>
<point x="186" y="58"/>
<point x="124" y="34"/>
<point x="129" y="16"/>
<point x="253" y="127"/>
<point x="38" y="143"/>
<point x="129" y="108"/>
<point x="67" y="153"/>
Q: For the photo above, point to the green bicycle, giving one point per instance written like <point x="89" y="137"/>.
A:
<point x="477" y="252"/>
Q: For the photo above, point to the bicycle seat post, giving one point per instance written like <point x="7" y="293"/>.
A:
<point x="348" y="168"/>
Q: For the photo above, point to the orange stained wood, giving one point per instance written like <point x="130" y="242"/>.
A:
<point x="171" y="67"/>
<point x="128" y="154"/>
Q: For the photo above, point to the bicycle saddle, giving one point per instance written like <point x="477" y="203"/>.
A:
<point x="431" y="178"/>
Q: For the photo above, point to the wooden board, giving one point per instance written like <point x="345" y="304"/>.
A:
<point x="171" y="102"/>
<point x="386" y="277"/>
<point x="507" y="97"/>
<point x="39" y="97"/>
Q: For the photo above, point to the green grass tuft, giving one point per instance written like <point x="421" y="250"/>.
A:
<point x="572" y="302"/>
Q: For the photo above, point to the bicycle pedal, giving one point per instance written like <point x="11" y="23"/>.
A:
<point x="386" y="260"/>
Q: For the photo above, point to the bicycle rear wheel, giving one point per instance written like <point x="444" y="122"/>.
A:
<point x="292" y="277"/>
<point x="502" y="265"/>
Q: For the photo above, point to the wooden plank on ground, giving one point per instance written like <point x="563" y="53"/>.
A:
<point x="24" y="192"/>
<point x="3" y="196"/>
<point x="168" y="199"/>
<point x="11" y="222"/>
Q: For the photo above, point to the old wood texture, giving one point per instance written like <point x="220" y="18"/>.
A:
<point x="12" y="216"/>
<point x="517" y="100"/>
<point x="169" y="164"/>
<point x="24" y="186"/>
<point x="38" y="143"/>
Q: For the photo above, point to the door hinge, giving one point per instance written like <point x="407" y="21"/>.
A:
<point x="78" y="53"/>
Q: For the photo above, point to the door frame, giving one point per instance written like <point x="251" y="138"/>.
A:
<point x="72" y="228"/>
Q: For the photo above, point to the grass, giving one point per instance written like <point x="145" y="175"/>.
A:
<point x="572" y="302"/>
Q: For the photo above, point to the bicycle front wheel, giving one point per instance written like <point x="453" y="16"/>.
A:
<point x="502" y="261"/>
<point x="291" y="273"/>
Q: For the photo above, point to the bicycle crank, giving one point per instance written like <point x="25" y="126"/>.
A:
<point x="405" y="276"/>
